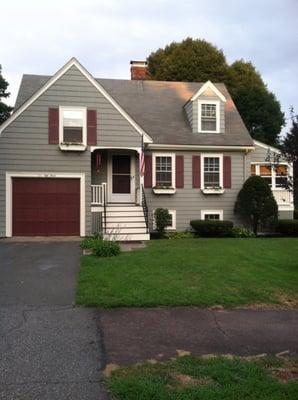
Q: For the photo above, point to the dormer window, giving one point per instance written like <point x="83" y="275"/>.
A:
<point x="208" y="116"/>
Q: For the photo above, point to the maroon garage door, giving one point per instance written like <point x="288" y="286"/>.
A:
<point x="45" y="207"/>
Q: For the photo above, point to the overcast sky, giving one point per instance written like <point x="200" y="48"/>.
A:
<point x="38" y="37"/>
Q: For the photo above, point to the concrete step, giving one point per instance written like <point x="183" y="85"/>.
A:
<point x="125" y="224"/>
<point x="132" y="213"/>
<point x="124" y="208"/>
<point x="125" y="218"/>
<point x="126" y="230"/>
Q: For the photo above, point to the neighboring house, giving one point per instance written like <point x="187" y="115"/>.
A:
<point x="70" y="155"/>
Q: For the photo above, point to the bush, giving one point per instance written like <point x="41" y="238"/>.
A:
<point x="162" y="220"/>
<point x="209" y="228"/>
<point x="240" y="232"/>
<point x="105" y="248"/>
<point x="288" y="227"/>
<point x="296" y="214"/>
<point x="256" y="203"/>
<point x="88" y="242"/>
<point x="180" y="235"/>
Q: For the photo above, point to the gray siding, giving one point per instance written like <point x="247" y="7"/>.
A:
<point x="188" y="202"/>
<point x="24" y="144"/>
<point x="259" y="154"/>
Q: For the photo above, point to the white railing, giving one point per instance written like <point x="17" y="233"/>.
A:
<point x="98" y="194"/>
<point x="283" y="197"/>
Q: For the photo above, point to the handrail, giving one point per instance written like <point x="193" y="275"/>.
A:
<point x="145" y="209"/>
<point x="104" y="186"/>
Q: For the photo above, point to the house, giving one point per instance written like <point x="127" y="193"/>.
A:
<point x="72" y="152"/>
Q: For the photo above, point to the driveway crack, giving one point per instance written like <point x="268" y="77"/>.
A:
<point x="218" y="325"/>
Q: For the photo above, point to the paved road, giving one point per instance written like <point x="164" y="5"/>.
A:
<point x="48" y="349"/>
<point x="136" y="335"/>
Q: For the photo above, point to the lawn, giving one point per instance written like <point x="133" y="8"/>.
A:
<point x="207" y="379"/>
<point x="194" y="272"/>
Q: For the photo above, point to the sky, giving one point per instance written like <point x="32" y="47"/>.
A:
<point x="39" y="36"/>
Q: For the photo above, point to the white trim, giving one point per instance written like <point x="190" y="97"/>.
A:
<point x="212" y="155"/>
<point x="93" y="148"/>
<point x="10" y="175"/>
<point x="209" y="85"/>
<point x="173" y="156"/>
<point x="84" y="134"/>
<point x="118" y="197"/>
<point x="74" y="62"/>
<point x="168" y="228"/>
<point x="217" y="212"/>
<point x="217" y="105"/>
<point x="155" y="146"/>
<point x="266" y="146"/>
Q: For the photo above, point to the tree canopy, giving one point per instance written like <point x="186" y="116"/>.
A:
<point x="199" y="61"/>
<point x="5" y="110"/>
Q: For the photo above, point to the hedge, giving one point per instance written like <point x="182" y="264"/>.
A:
<point x="212" y="228"/>
<point x="288" y="227"/>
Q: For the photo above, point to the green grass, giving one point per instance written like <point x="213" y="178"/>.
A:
<point x="198" y="272"/>
<point x="192" y="378"/>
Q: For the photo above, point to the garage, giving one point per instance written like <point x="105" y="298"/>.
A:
<point x="45" y="207"/>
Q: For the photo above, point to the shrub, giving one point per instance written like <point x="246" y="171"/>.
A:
<point x="88" y="242"/>
<point x="256" y="204"/>
<point x="296" y="214"/>
<point x="162" y="220"/>
<point x="288" y="227"/>
<point x="105" y="248"/>
<point x="180" y="235"/>
<point x="240" y="232"/>
<point x="211" y="228"/>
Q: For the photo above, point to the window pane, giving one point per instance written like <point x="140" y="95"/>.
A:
<point x="281" y="181"/>
<point x="208" y="117"/>
<point x="265" y="170"/>
<point x="281" y="170"/>
<point x="212" y="217"/>
<point x="252" y="169"/>
<point x="73" y="135"/>
<point x="163" y="171"/>
<point x="211" y="172"/>
<point x="73" y="117"/>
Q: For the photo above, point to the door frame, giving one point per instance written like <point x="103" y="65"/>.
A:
<point x="8" y="197"/>
<point x="121" y="198"/>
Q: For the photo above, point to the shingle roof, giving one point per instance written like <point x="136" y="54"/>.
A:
<point x="157" y="106"/>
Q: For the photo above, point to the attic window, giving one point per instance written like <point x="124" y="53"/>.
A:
<point x="73" y="125"/>
<point x="209" y="116"/>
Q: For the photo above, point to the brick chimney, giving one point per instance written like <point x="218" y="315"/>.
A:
<point x="138" y="70"/>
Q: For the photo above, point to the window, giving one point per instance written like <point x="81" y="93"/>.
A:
<point x="73" y="125"/>
<point x="212" y="172"/>
<point x="172" y="224"/>
<point x="209" y="116"/>
<point x="164" y="170"/>
<point x="213" y="215"/>
<point x="276" y="177"/>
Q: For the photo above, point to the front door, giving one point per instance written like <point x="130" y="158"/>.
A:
<point x="122" y="180"/>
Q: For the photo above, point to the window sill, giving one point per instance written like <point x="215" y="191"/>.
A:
<point x="213" y="191"/>
<point x="164" y="191"/>
<point x="72" y="147"/>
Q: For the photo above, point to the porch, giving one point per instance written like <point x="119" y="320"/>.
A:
<point x="118" y="203"/>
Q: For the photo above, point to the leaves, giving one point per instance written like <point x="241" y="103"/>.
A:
<point x="5" y="110"/>
<point x="199" y="61"/>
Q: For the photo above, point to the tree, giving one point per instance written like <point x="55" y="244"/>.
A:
<point x="258" y="107"/>
<point x="5" y="110"/>
<point x="199" y="61"/>
<point x="256" y="203"/>
<point x="162" y="220"/>
<point x="289" y="149"/>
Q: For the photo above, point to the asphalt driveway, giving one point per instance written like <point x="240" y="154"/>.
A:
<point x="48" y="348"/>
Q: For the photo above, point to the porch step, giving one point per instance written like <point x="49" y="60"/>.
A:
<point x="125" y="222"/>
<point x="128" y="237"/>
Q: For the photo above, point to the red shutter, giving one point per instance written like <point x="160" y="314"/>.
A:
<point x="148" y="172"/>
<point x="227" y="172"/>
<point x="91" y="127"/>
<point x="196" y="171"/>
<point x="179" y="171"/>
<point x="53" y="119"/>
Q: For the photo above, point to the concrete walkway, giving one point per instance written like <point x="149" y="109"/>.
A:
<point x="48" y="349"/>
<point x="136" y="335"/>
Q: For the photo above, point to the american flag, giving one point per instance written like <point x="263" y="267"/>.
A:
<point x="142" y="159"/>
